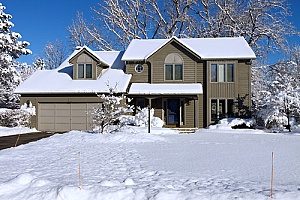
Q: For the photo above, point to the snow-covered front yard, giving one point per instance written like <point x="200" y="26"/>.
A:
<point x="210" y="164"/>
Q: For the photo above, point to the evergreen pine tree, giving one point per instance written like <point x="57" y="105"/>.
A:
<point x="10" y="49"/>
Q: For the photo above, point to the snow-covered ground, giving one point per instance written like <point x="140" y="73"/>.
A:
<point x="5" y="131"/>
<point x="210" y="164"/>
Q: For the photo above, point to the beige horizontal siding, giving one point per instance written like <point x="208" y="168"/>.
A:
<point x="157" y="63"/>
<point x="189" y="114"/>
<point x="142" y="77"/>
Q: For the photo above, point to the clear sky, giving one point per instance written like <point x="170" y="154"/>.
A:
<point x="43" y="21"/>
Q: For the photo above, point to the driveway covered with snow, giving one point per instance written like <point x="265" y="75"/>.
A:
<point x="8" y="141"/>
<point x="209" y="164"/>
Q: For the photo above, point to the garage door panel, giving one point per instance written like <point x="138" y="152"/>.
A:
<point x="46" y="120"/>
<point x="43" y="106"/>
<point x="79" y="113"/>
<point x="46" y="113"/>
<point x="62" y="127"/>
<point x="78" y="120"/>
<point x="62" y="113"/>
<point x="63" y="106"/>
<point x="78" y="106"/>
<point x="62" y="120"/>
<point x="78" y="127"/>
<point x="47" y="127"/>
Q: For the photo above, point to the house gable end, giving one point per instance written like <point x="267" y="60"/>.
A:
<point x="158" y="61"/>
<point x="86" y="65"/>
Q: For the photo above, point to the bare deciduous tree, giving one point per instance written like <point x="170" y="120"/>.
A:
<point x="55" y="53"/>
<point x="263" y="24"/>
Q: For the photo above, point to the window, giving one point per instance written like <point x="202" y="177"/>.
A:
<point x="85" y="71"/>
<point x="80" y="70"/>
<point x="220" y="108"/>
<point x="139" y="68"/>
<point x="173" y="67"/>
<point x="88" y="73"/>
<point x="230" y="108"/>
<point x="213" y="72"/>
<point x="213" y="110"/>
<point x="222" y="73"/>
<point x="169" y="72"/>
<point x="230" y="72"/>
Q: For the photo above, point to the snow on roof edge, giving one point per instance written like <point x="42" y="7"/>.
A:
<point x="165" y="89"/>
<point x="249" y="55"/>
<point x="90" y="51"/>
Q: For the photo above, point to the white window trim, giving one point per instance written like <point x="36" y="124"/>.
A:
<point x="173" y="65"/>
<point x="84" y="70"/>
<point x="138" y="71"/>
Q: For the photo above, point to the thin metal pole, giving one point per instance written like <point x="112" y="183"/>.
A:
<point x="272" y="176"/>
<point x="149" y="114"/>
<point x="79" y="173"/>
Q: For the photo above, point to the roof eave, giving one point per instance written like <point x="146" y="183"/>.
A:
<point x="228" y="58"/>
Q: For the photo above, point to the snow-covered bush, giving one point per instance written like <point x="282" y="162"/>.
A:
<point x="233" y="123"/>
<point x="17" y="117"/>
<point x="141" y="119"/>
<point x="106" y="115"/>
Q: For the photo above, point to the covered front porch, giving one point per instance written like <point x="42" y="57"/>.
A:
<point x="176" y="104"/>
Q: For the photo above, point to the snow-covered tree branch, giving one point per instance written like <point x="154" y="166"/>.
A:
<point x="106" y="115"/>
<point x="55" y="54"/>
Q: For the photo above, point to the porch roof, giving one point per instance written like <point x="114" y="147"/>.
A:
<point x="165" y="89"/>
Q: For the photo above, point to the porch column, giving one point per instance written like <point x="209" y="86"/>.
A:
<point x="196" y="113"/>
<point x="149" y="111"/>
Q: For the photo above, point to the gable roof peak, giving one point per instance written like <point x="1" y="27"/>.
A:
<point x="90" y="51"/>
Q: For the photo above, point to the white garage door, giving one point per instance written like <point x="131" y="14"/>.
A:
<point x="65" y="116"/>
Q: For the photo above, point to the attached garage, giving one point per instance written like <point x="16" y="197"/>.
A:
<point x="65" y="116"/>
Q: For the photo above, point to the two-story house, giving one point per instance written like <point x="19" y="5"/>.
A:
<point x="189" y="82"/>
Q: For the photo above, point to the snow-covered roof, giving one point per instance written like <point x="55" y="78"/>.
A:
<point x="166" y="89"/>
<point x="53" y="81"/>
<point x="112" y="58"/>
<point x="60" y="80"/>
<point x="206" y="48"/>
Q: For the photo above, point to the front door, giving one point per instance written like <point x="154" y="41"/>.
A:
<point x="173" y="112"/>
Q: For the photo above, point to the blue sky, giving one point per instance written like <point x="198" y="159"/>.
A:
<point x="43" y="21"/>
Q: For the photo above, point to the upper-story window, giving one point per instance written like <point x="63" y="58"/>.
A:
<point x="173" y="67"/>
<point x="84" y="71"/>
<point x="222" y="72"/>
